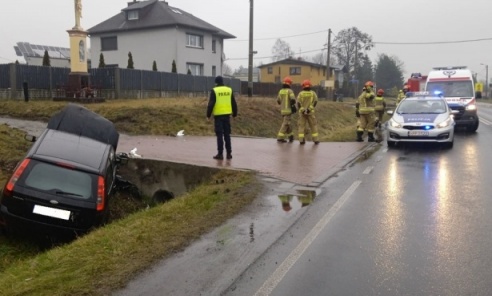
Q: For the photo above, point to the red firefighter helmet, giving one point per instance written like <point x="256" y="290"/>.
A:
<point x="369" y="83"/>
<point x="380" y="92"/>
<point x="406" y="87"/>
<point x="306" y="83"/>
<point x="287" y="80"/>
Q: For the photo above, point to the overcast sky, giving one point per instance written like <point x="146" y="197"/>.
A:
<point x="302" y="24"/>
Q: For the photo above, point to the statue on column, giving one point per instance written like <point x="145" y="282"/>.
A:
<point x="78" y="13"/>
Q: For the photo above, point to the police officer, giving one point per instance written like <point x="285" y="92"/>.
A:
<point x="306" y="102"/>
<point x="222" y="105"/>
<point x="287" y="101"/>
<point x="366" y="111"/>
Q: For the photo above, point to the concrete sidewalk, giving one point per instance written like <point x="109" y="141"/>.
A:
<point x="307" y="165"/>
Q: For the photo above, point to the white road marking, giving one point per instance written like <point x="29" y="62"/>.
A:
<point x="485" y="121"/>
<point x="368" y="170"/>
<point x="282" y="270"/>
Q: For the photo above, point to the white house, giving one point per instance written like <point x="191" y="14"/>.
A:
<point x="154" y="31"/>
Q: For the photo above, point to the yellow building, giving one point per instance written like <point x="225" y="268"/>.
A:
<point x="298" y="70"/>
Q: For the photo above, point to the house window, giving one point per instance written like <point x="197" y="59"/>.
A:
<point x="213" y="46"/>
<point x="109" y="43"/>
<point x="132" y="15"/>
<point x="295" y="70"/>
<point x="195" y="69"/>
<point x="194" y="40"/>
<point x="214" y="71"/>
<point x="270" y="70"/>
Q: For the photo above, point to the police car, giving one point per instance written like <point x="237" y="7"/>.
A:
<point x="422" y="117"/>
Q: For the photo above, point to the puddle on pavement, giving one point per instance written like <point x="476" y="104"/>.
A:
<point x="163" y="180"/>
<point x="298" y="200"/>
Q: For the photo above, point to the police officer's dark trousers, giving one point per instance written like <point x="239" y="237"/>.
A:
<point x="222" y="125"/>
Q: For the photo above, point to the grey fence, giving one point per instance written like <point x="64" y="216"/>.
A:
<point x="109" y="83"/>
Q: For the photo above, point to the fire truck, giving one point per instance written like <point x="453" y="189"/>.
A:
<point x="416" y="82"/>
<point x="455" y="84"/>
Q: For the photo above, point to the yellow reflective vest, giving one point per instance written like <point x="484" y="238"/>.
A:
<point x="223" y="100"/>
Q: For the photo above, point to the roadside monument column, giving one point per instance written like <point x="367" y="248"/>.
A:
<point x="79" y="76"/>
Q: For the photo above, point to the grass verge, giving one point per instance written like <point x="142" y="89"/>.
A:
<point x="105" y="259"/>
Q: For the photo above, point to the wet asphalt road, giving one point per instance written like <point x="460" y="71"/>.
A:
<point x="416" y="220"/>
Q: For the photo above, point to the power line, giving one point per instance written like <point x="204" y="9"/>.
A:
<point x="434" y="42"/>
<point x="375" y="42"/>
<point x="272" y="38"/>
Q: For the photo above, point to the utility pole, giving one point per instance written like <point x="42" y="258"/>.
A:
<point x="486" y="89"/>
<point x="250" y="56"/>
<point x="328" y="72"/>
<point x="487" y="81"/>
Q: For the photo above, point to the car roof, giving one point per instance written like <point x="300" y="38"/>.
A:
<point x="85" y="153"/>
<point x="420" y="98"/>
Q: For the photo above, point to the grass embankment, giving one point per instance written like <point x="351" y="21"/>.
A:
<point x="106" y="258"/>
<point x="259" y="117"/>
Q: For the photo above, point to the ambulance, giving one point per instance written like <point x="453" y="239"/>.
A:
<point x="456" y="85"/>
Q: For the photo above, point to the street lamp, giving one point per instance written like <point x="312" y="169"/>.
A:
<point x="486" y="80"/>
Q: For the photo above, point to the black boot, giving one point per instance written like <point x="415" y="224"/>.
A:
<point x="291" y="139"/>
<point x="219" y="156"/>
<point x="370" y="137"/>
<point x="359" y="136"/>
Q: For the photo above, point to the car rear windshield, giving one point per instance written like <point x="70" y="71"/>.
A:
<point x="59" y="180"/>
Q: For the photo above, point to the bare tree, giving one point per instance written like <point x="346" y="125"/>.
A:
<point x="226" y="69"/>
<point x="349" y="46"/>
<point x="319" y="58"/>
<point x="281" y="50"/>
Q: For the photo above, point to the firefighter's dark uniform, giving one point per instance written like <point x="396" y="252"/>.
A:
<point x="222" y="105"/>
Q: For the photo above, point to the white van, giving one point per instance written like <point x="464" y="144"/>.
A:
<point x="456" y="85"/>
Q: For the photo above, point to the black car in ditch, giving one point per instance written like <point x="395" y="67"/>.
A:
<point x="66" y="179"/>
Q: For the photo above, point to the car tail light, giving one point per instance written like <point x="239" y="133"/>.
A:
<point x="100" y="194"/>
<point x="9" y="188"/>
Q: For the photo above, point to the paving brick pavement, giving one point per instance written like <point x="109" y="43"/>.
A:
<point x="308" y="164"/>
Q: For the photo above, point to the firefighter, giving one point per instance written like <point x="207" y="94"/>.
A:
<point x="402" y="93"/>
<point x="306" y="102"/>
<point x="287" y="101"/>
<point x="366" y="111"/>
<point x="379" y="108"/>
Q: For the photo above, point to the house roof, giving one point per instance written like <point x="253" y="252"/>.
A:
<point x="291" y="61"/>
<point x="27" y="49"/>
<point x="154" y="14"/>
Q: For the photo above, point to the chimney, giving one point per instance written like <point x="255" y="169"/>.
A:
<point x="131" y="3"/>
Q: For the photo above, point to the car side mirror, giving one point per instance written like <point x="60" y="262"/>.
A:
<point x="30" y="138"/>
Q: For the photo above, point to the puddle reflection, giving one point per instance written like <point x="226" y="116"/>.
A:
<point x="303" y="199"/>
